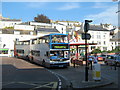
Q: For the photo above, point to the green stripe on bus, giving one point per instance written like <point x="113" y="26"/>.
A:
<point x="4" y="49"/>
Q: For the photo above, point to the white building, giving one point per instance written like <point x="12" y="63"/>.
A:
<point x="7" y="22"/>
<point x="7" y="38"/>
<point x="37" y="25"/>
<point x="23" y="27"/>
<point x="99" y="35"/>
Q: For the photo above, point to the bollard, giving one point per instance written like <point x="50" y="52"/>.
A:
<point x="74" y="63"/>
<point x="115" y="65"/>
<point x="91" y="64"/>
<point x="96" y="72"/>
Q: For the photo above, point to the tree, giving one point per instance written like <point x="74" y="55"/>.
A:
<point x="96" y="51"/>
<point x="42" y="18"/>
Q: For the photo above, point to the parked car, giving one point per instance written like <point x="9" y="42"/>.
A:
<point x="102" y="57"/>
<point x="112" y="59"/>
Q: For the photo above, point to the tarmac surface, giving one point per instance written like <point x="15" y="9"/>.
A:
<point x="23" y="72"/>
<point x="76" y="77"/>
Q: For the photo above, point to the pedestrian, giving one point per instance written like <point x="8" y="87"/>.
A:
<point x="90" y="59"/>
<point x="95" y="58"/>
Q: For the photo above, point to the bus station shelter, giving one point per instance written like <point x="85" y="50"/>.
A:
<point x="77" y="44"/>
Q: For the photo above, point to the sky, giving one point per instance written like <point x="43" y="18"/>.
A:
<point x="98" y="12"/>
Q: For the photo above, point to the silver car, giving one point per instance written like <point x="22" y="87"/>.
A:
<point x="112" y="60"/>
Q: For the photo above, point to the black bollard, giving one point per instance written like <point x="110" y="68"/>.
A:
<point x="91" y="64"/>
<point x="74" y="63"/>
<point x="115" y="65"/>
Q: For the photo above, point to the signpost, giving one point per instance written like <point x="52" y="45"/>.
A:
<point x="86" y="36"/>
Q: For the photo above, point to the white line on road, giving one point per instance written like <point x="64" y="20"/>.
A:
<point x="60" y="83"/>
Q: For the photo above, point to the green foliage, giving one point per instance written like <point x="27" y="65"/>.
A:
<point x="42" y="18"/>
<point x="117" y="49"/>
<point x="96" y="51"/>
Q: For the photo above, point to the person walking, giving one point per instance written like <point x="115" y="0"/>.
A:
<point x="90" y="59"/>
<point x="95" y="58"/>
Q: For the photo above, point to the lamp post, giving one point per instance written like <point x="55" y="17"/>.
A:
<point x="86" y="28"/>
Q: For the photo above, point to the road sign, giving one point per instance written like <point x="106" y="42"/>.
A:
<point x="88" y="36"/>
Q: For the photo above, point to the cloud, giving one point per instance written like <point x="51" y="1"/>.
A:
<point x="69" y="6"/>
<point x="108" y="16"/>
<point x="36" y="4"/>
<point x="100" y="5"/>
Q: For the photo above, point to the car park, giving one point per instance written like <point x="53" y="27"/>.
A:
<point x="112" y="60"/>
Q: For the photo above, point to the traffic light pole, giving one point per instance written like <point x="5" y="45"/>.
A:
<point x="86" y="28"/>
<point x="86" y="66"/>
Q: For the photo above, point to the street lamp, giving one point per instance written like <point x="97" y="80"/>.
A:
<point x="86" y="28"/>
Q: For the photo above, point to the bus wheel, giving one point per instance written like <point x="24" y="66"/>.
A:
<point x="27" y="58"/>
<point x="43" y="63"/>
<point x="31" y="59"/>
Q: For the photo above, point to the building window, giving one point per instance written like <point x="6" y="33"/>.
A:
<point x="0" y="39"/>
<point x="99" y="42"/>
<point x="104" y="42"/>
<point x="92" y="36"/>
<point x="104" y="36"/>
<point x="17" y="32"/>
<point x="104" y="48"/>
<point x="92" y="47"/>
<point x="98" y="37"/>
<point x="0" y="31"/>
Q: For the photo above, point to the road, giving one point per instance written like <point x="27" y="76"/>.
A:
<point x="18" y="73"/>
<point x="110" y="73"/>
<point x="107" y="72"/>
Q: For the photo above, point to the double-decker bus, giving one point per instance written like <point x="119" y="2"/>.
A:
<point x="51" y="50"/>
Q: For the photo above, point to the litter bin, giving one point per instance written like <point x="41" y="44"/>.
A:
<point x="96" y="72"/>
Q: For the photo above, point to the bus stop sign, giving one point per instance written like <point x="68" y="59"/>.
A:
<point x="88" y="36"/>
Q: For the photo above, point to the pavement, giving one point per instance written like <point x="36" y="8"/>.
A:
<point x="77" y="80"/>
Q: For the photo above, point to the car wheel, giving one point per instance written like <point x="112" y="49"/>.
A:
<point x="31" y="59"/>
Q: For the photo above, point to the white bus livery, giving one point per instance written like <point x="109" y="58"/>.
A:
<point x="51" y="50"/>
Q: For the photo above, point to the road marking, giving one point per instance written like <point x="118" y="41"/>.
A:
<point x="60" y="83"/>
<point x="54" y="86"/>
<point x="47" y="85"/>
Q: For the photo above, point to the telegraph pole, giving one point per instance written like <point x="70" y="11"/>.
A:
<point x="86" y="28"/>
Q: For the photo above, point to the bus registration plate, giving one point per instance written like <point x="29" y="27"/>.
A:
<point x="60" y="65"/>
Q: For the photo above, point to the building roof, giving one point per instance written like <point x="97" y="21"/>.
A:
<point x="22" y="32"/>
<point x="47" y="30"/>
<point x="97" y="28"/>
<point x="10" y="19"/>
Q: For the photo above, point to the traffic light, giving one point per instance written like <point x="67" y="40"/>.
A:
<point x="86" y="25"/>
